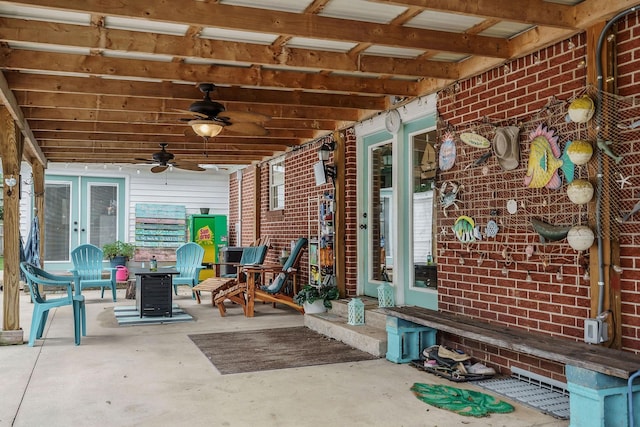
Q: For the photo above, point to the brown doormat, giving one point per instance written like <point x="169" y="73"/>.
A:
<point x="268" y="349"/>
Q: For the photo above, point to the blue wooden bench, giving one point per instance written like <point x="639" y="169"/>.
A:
<point x="598" y="378"/>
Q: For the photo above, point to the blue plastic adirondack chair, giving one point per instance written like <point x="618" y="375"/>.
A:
<point x="275" y="287"/>
<point x="36" y="277"/>
<point x="188" y="263"/>
<point x="87" y="270"/>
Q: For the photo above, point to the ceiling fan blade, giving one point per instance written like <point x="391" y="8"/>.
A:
<point x="247" y="128"/>
<point x="159" y="168"/>
<point x="193" y="113"/>
<point x="149" y="161"/>
<point x="244" y="116"/>
<point x="187" y="166"/>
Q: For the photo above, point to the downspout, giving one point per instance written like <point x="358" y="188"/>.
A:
<point x="239" y="223"/>
<point x="599" y="177"/>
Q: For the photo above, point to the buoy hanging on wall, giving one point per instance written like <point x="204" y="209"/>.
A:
<point x="580" y="237"/>
<point x="580" y="191"/>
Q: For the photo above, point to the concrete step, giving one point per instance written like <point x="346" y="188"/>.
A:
<point x="372" y="316"/>
<point x="370" y="337"/>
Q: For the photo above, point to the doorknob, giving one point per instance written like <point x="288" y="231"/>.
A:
<point x="363" y="226"/>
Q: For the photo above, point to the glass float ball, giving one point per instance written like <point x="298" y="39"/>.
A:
<point x="580" y="237"/>
<point x="580" y="191"/>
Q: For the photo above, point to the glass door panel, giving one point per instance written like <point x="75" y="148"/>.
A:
<point x="423" y="234"/>
<point x="380" y="236"/>
<point x="57" y="230"/>
<point x="103" y="213"/>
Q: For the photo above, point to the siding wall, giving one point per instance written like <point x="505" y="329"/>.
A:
<point x="194" y="190"/>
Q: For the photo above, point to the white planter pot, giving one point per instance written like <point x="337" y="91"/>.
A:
<point x="316" y="307"/>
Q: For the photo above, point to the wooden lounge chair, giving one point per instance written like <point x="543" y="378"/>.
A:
<point x="252" y="255"/>
<point x="274" y="292"/>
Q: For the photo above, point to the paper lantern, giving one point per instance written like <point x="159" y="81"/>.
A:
<point x="580" y="191"/>
<point x="580" y="237"/>
<point x="580" y="151"/>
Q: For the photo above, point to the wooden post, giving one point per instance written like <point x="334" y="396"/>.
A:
<point x="11" y="144"/>
<point x="37" y="170"/>
<point x="257" y="201"/>
<point x="340" y="212"/>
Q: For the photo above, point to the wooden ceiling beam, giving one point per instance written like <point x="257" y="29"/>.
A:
<point x="8" y="99"/>
<point x="225" y="75"/>
<point x="534" y="12"/>
<point x="147" y="129"/>
<point x="287" y="24"/>
<point x="236" y="158"/>
<point x="17" y="30"/>
<point x="65" y="110"/>
<point x="119" y="137"/>
<point x="185" y="94"/>
<point x="62" y="115"/>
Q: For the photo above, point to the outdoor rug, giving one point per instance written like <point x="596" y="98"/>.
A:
<point x="269" y="349"/>
<point x="129" y="315"/>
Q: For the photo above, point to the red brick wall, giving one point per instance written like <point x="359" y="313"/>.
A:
<point x="517" y="94"/>
<point x="293" y="222"/>
<point x="351" y="214"/>
<point x="506" y="95"/>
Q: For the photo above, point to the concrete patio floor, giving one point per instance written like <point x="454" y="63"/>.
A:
<point x="153" y="375"/>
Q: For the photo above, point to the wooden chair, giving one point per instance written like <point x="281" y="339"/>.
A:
<point x="274" y="292"/>
<point x="87" y="270"/>
<point x="252" y="255"/>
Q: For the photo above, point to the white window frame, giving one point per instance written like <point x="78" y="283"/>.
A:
<point x="276" y="184"/>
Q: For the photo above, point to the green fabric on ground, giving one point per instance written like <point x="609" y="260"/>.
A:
<point x="464" y="402"/>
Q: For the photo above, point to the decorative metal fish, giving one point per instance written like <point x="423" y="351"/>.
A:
<point x="604" y="146"/>
<point x="544" y="159"/>
<point x="633" y="211"/>
<point x="549" y="232"/>
<point x="480" y="160"/>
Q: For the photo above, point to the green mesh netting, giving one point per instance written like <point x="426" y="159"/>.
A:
<point x="464" y="402"/>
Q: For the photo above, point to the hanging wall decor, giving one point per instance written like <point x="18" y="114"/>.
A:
<point x="580" y="237"/>
<point x="465" y="229"/>
<point x="474" y="140"/>
<point x="581" y="109"/>
<point x="447" y="155"/>
<point x="580" y="191"/>
<point x="544" y="159"/>
<point x="579" y="151"/>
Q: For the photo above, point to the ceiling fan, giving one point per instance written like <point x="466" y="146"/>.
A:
<point x="212" y="117"/>
<point x="163" y="159"/>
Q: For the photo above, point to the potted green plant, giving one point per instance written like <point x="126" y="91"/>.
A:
<point x="316" y="298"/>
<point x="118" y="252"/>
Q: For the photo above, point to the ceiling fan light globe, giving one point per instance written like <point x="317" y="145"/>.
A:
<point x="205" y="128"/>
